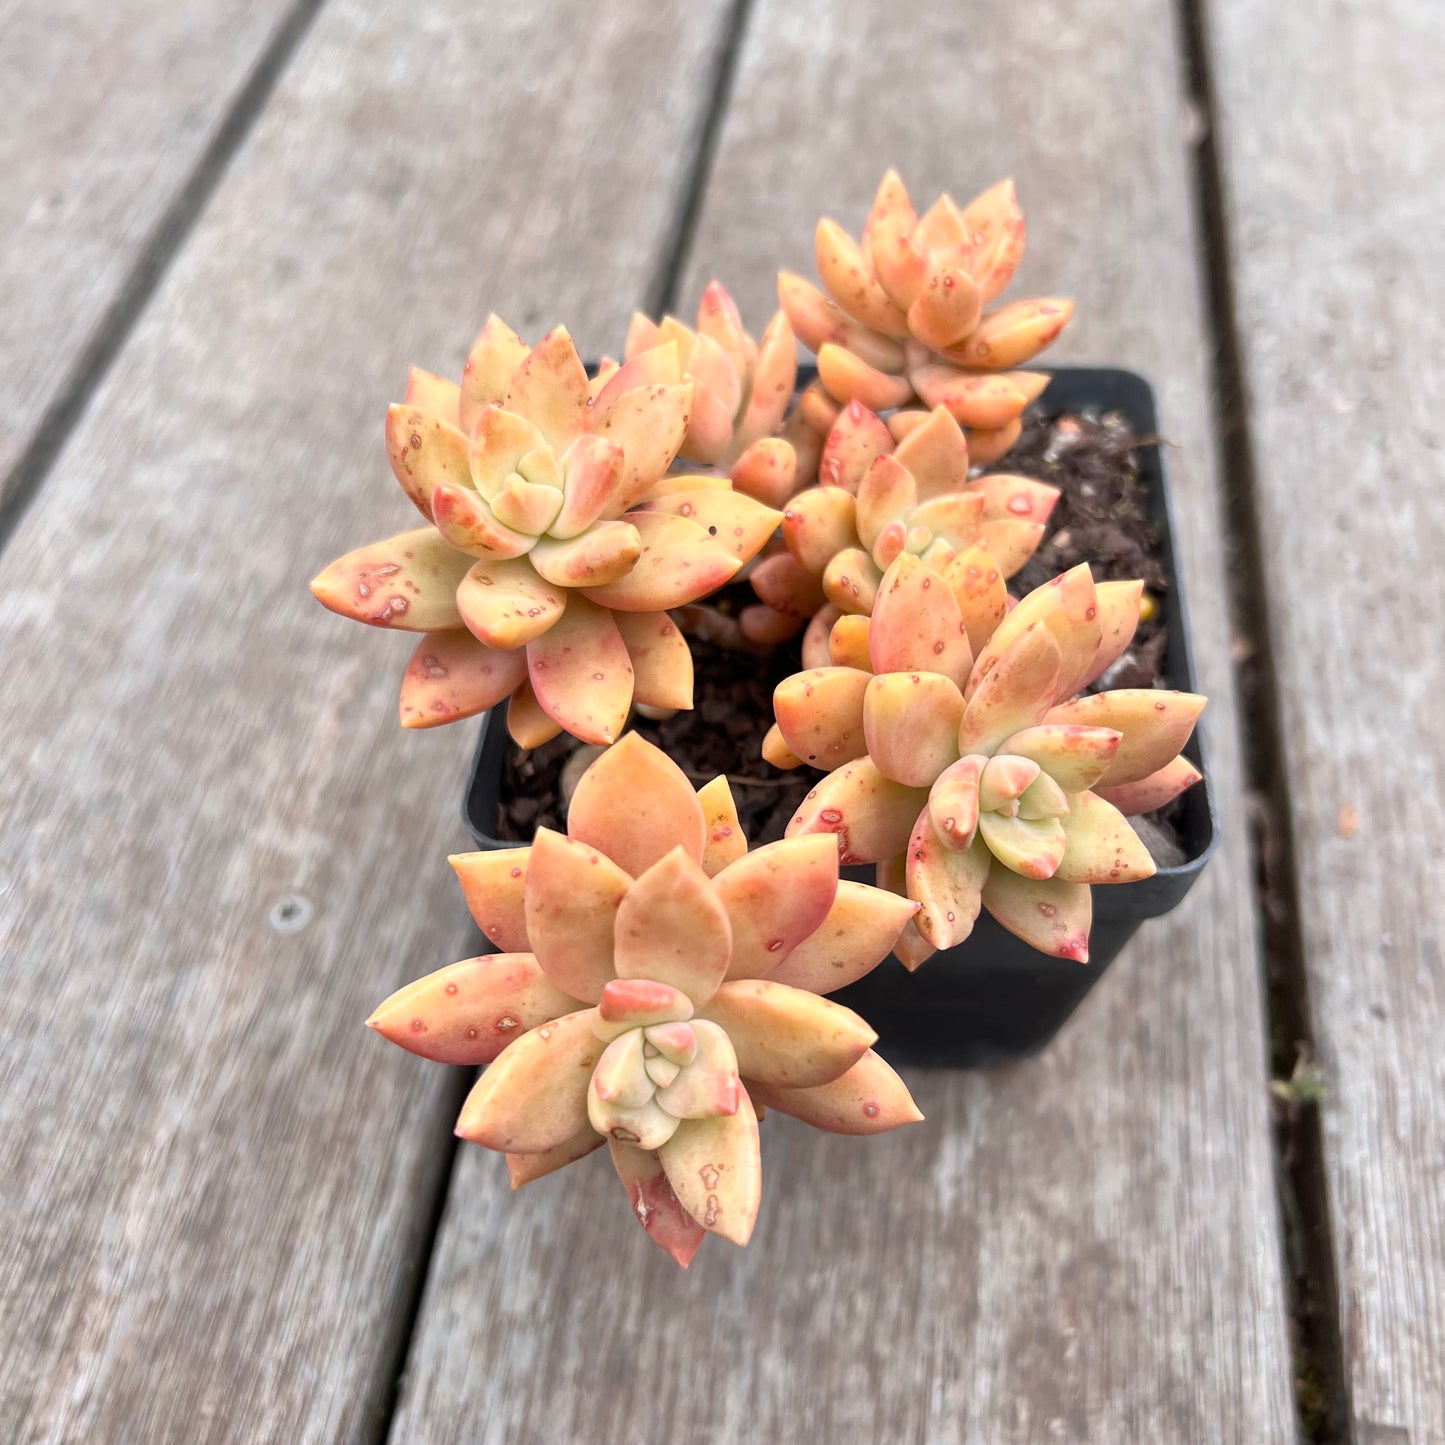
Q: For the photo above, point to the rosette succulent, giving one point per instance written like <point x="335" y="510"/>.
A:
<point x="877" y="499"/>
<point x="659" y="984"/>
<point x="744" y="389"/>
<point x="904" y="320"/>
<point x="963" y="761"/>
<point x="551" y="551"/>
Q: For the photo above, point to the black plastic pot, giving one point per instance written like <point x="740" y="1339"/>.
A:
<point x="994" y="999"/>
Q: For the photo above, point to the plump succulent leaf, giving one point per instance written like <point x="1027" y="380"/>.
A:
<point x="654" y="1202"/>
<point x="776" y="897"/>
<point x="715" y="1169"/>
<point x="470" y="1011"/>
<point x="534" y="1097"/>
<point x="869" y="1098"/>
<point x="408" y="582"/>
<point x="573" y="892"/>
<point x="672" y="927"/>
<point x="451" y="675"/>
<point x="786" y="1036"/>
<point x="636" y="804"/>
<point x="492" y="884"/>
<point x="870" y="815"/>
<point x="855" y="936"/>
<point x="1049" y="914"/>
<point x="1155" y="725"/>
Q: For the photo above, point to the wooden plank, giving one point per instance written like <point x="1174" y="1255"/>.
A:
<point x="1332" y="148"/>
<point x="1079" y="1248"/>
<point x="109" y="110"/>
<point x="217" y="1185"/>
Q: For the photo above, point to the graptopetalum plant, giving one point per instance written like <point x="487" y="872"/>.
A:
<point x="963" y="761"/>
<point x="658" y="984"/>
<point x="659" y="981"/>
<point x="903" y="320"/>
<point x="877" y="499"/>
<point x="744" y="391"/>
<point x="553" y="547"/>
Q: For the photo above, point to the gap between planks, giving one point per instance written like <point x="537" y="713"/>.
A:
<point x="1321" y="1394"/>
<point x="152" y="262"/>
<point x="679" y="247"/>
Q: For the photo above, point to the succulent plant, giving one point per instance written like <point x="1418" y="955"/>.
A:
<point x="877" y="499"/>
<point x="659" y="982"/>
<point x="963" y="761"/>
<point x="903" y="316"/>
<point x="744" y="389"/>
<point x="552" y="550"/>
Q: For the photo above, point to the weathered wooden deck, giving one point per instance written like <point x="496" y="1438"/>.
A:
<point x="230" y="1215"/>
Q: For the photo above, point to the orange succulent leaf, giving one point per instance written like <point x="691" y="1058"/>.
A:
<point x="857" y="934"/>
<point x="725" y="841"/>
<point x="527" y="1168"/>
<point x="636" y="805"/>
<point x="492" y="883"/>
<point x="776" y="898"/>
<point x="661" y="661"/>
<point x="581" y="672"/>
<point x="917" y="624"/>
<point x="679" y="563"/>
<point x="715" y="1169"/>
<point x="1100" y="846"/>
<point x="820" y="715"/>
<point x="451" y="675"/>
<point x="1048" y="914"/>
<point x="572" y="894"/>
<point x="468" y="1012"/>
<point x="1155" y="725"/>
<point x="870" y="815"/>
<point x="534" y="1096"/>
<point x="1154" y="790"/>
<point x="654" y="1202"/>
<point x="672" y="926"/>
<point x="869" y="1098"/>
<point x="946" y="881"/>
<point x="408" y="582"/>
<point x="787" y="1036"/>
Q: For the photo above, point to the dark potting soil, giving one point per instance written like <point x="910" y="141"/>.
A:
<point x="1102" y="517"/>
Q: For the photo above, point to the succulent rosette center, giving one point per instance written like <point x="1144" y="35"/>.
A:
<point x="663" y="1068"/>
<point x="878" y="500"/>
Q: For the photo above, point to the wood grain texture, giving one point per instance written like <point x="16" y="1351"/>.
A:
<point x="1082" y="1248"/>
<point x="1333" y="160"/>
<point x="108" y="110"/>
<point x="217" y="1184"/>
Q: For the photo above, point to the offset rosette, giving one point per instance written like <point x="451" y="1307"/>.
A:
<point x="962" y="760"/>
<point x="547" y="566"/>
<point x="904" y="316"/>
<point x="659" y="982"/>
<point x="876" y="500"/>
<point x="744" y="390"/>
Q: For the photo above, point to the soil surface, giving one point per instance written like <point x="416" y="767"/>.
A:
<point x="1102" y="517"/>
